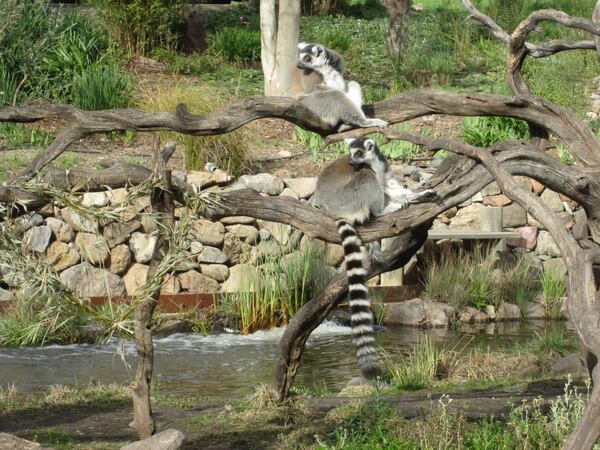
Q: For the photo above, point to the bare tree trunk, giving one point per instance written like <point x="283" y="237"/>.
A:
<point x="161" y="200"/>
<point x="279" y="27"/>
<point x="399" y="21"/>
<point x="596" y="19"/>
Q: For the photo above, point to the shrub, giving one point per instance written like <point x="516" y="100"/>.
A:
<point x="139" y="26"/>
<point x="102" y="87"/>
<point x="486" y="131"/>
<point x="236" y="44"/>
<point x="227" y="151"/>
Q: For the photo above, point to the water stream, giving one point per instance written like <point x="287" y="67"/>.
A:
<point x="230" y="366"/>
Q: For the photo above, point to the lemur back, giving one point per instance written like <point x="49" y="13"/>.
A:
<point x="337" y="102"/>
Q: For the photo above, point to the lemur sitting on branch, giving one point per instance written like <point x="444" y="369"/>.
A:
<point x="337" y="102"/>
<point x="354" y="189"/>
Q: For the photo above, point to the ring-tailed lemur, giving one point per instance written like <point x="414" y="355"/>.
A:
<point x="397" y="192"/>
<point x="337" y="102"/>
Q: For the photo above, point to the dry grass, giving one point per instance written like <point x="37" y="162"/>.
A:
<point x="479" y="364"/>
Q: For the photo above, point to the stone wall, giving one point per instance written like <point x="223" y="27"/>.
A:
<point x="115" y="260"/>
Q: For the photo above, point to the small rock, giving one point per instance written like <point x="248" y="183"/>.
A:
<point x="61" y="256"/>
<point x="120" y="258"/>
<point x="170" y="439"/>
<point x="546" y="245"/>
<point x="303" y="187"/>
<point x="63" y="232"/>
<point x="197" y="283"/>
<point x="9" y="441"/>
<point x="117" y="233"/>
<point x="263" y="182"/>
<point x="264" y="234"/>
<point x="508" y="311"/>
<point x="92" y="248"/>
<point x="142" y="246"/>
<point x="234" y="249"/>
<point x="416" y="312"/>
<point x="6" y="296"/>
<point x="217" y="272"/>
<point x="77" y="221"/>
<point x="566" y="219"/>
<point x="149" y="223"/>
<point x="116" y="196"/>
<point x="171" y="285"/>
<point x="246" y="233"/>
<point x="477" y="198"/>
<point x="514" y="216"/>
<point x="29" y="220"/>
<point x="580" y="227"/>
<point x="552" y="199"/>
<point x="86" y="280"/>
<point x="491" y="189"/>
<point x="234" y="220"/>
<point x="472" y="315"/>
<point x="136" y="276"/>
<point x="280" y="232"/>
<point x="97" y="199"/>
<point x="527" y="240"/>
<point x="37" y="239"/>
<point x="468" y="217"/>
<point x="212" y="255"/>
<point x="537" y="187"/>
<point x="572" y="364"/>
<point x="497" y="200"/>
<point x="208" y="233"/>
<point x="287" y="192"/>
<point x="534" y="310"/>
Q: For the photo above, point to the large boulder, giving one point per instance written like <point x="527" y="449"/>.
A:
<point x="135" y="277"/>
<point x="508" y="311"/>
<point x="86" y="280"/>
<point x="208" y="233"/>
<point x="263" y="182"/>
<point x="196" y="283"/>
<point x="92" y="248"/>
<point x="212" y="255"/>
<point x="472" y="315"/>
<point x="170" y="439"/>
<point x="418" y="312"/>
<point x="217" y="272"/>
<point x="9" y="441"/>
<point x="571" y="364"/>
<point x="246" y="233"/>
<point x="142" y="246"/>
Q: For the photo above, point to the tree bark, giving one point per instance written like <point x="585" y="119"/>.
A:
<point x="398" y="24"/>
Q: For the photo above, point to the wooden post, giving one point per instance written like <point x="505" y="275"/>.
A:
<point x="161" y="200"/>
<point x="394" y="277"/>
<point x="491" y="220"/>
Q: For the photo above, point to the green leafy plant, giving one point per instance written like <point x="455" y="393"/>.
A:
<point x="15" y="135"/>
<point x="236" y="44"/>
<point x="564" y="155"/>
<point x="101" y="87"/>
<point x="486" y="131"/>
<point x="554" y="289"/>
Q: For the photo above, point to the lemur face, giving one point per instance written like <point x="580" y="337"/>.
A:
<point x="311" y="56"/>
<point x="363" y="151"/>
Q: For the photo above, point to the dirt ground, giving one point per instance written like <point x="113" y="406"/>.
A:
<point x="105" y="425"/>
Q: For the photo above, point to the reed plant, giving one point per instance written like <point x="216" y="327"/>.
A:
<point x="554" y="289"/>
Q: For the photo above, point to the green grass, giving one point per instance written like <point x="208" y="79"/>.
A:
<point x="554" y="289"/>
<point x="11" y="164"/>
<point x="15" y="135"/>
<point x="486" y="131"/>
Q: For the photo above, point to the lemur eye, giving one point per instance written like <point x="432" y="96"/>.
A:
<point x="306" y="58"/>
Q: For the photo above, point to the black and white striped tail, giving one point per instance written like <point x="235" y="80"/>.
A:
<point x="361" y="316"/>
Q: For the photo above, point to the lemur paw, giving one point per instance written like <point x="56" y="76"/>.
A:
<point x="378" y="123"/>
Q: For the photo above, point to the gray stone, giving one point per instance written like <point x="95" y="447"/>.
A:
<point x="287" y="192"/>
<point x="196" y="247"/>
<point x="534" y="310"/>
<point x="149" y="223"/>
<point x="531" y="220"/>
<point x="546" y="245"/>
<point x="212" y="255"/>
<point x="172" y="326"/>
<point x="572" y="364"/>
<point x="142" y="246"/>
<point x="490" y="310"/>
<point x="97" y="199"/>
<point x="235" y="250"/>
<point x="61" y="256"/>
<point x="197" y="283"/>
<point x="234" y="220"/>
<point x="472" y="315"/>
<point x="170" y="439"/>
<point x="263" y="182"/>
<point x="508" y="311"/>
<point x="497" y="200"/>
<point x="29" y="220"/>
<point x="62" y="231"/>
<point x="208" y="233"/>
<point x="264" y="234"/>
<point x="217" y="272"/>
<point x="205" y="179"/>
<point x="6" y="296"/>
<point x="555" y="266"/>
<point x="527" y="240"/>
<point x="491" y="189"/>
<point x="513" y="216"/>
<point x="92" y="248"/>
<point x="37" y="239"/>
<point x="264" y="250"/>
<point x="477" y="198"/>
<point x="135" y="277"/>
<point x="77" y="221"/>
<point x="580" y="227"/>
<point x="86" y="280"/>
<point x="416" y="312"/>
<point x="11" y="442"/>
<point x="120" y="258"/>
<point x="468" y="217"/>
<point x="303" y="187"/>
<point x="552" y="199"/>
<point x="117" y="233"/>
<point x="246" y="233"/>
<point x="280" y="232"/>
<point x="242" y="278"/>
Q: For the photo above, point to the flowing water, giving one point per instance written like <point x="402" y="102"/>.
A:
<point x="228" y="365"/>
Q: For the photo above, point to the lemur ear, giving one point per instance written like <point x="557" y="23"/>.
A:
<point x="369" y="144"/>
<point x="349" y="141"/>
<point x="318" y="49"/>
<point x="301" y="45"/>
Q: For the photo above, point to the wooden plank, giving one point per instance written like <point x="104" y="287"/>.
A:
<point x="472" y="234"/>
